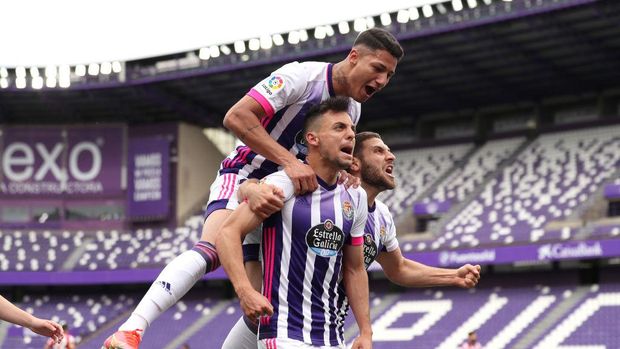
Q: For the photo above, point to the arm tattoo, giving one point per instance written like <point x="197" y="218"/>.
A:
<point x="248" y="130"/>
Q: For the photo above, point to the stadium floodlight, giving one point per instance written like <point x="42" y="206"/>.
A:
<point x="359" y="24"/>
<point x="472" y="3"/>
<point x="487" y="2"/>
<point x="34" y="72"/>
<point x="293" y="37"/>
<point x="427" y="10"/>
<point x="80" y="70"/>
<point x="214" y="51"/>
<point x="117" y="67"/>
<point x="254" y="44"/>
<point x="50" y="71"/>
<point x="329" y="30"/>
<point x="343" y="28"/>
<point x="319" y="33"/>
<point x="93" y="69"/>
<point x="64" y="76"/>
<point x="106" y="68"/>
<point x="225" y="50"/>
<point x="414" y="13"/>
<point x="20" y="72"/>
<point x="441" y="8"/>
<point x="385" y="19"/>
<point x="402" y="16"/>
<point x="303" y="35"/>
<point x="4" y="83"/>
<point x="457" y="5"/>
<point x="50" y="82"/>
<point x="278" y="40"/>
<point x="239" y="46"/>
<point x="245" y="57"/>
<point x="4" y="73"/>
<point x="370" y="22"/>
<point x="20" y="82"/>
<point x="204" y="53"/>
<point x="37" y="82"/>
<point x="265" y="42"/>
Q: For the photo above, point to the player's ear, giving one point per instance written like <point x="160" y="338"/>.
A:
<point x="355" y="165"/>
<point x="354" y="55"/>
<point x="312" y="138"/>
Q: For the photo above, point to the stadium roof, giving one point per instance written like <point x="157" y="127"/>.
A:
<point x="560" y="47"/>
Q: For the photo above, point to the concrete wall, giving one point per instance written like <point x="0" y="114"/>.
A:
<point x="197" y="163"/>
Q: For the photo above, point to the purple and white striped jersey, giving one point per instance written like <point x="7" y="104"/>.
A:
<point x="286" y="95"/>
<point x="379" y="236"/>
<point x="302" y="256"/>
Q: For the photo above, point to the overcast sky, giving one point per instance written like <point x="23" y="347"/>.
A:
<point x="43" y="32"/>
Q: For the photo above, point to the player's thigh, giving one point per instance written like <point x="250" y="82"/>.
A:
<point x="212" y="225"/>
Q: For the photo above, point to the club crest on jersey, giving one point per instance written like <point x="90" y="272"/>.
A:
<point x="273" y="85"/>
<point x="347" y="210"/>
<point x="382" y="231"/>
<point x="325" y="239"/>
<point x="370" y="250"/>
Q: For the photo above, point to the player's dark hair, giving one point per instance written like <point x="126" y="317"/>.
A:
<point x="333" y="104"/>
<point x="360" y="138"/>
<point x="380" y="39"/>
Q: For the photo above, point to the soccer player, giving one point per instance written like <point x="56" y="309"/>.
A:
<point x="47" y="328"/>
<point x="373" y="162"/>
<point x="269" y="121"/>
<point x="311" y="247"/>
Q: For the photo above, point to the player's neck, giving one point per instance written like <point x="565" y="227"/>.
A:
<point x="339" y="79"/>
<point x="326" y="170"/>
<point x="371" y="193"/>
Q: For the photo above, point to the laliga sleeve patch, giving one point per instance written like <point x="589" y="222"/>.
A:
<point x="325" y="239"/>
<point x="272" y="85"/>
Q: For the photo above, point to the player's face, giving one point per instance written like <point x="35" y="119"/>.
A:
<point x="372" y="70"/>
<point x="377" y="164"/>
<point x="337" y="139"/>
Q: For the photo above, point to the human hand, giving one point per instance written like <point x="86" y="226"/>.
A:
<point x="254" y="304"/>
<point x="302" y="176"/>
<point x="265" y="199"/>
<point x="348" y="179"/>
<point x="46" y="328"/>
<point x="468" y="276"/>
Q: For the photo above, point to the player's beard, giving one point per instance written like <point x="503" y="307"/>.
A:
<point x="377" y="178"/>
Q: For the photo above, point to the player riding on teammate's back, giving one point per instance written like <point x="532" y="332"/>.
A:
<point x="267" y="120"/>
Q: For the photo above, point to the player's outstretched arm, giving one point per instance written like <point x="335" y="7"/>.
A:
<point x="47" y="328"/>
<point x="233" y="230"/>
<point x="356" y="287"/>
<point x="243" y="119"/>
<point x="408" y="273"/>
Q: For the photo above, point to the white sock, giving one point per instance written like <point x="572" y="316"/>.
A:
<point x="178" y="277"/>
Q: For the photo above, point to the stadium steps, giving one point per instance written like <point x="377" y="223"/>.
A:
<point x="483" y="315"/>
<point x="437" y="227"/>
<point x="595" y="206"/>
<point x="93" y="340"/>
<point x="552" y="318"/>
<point x="74" y="257"/>
<point x="178" y="341"/>
<point x="352" y="331"/>
<point x="406" y="223"/>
